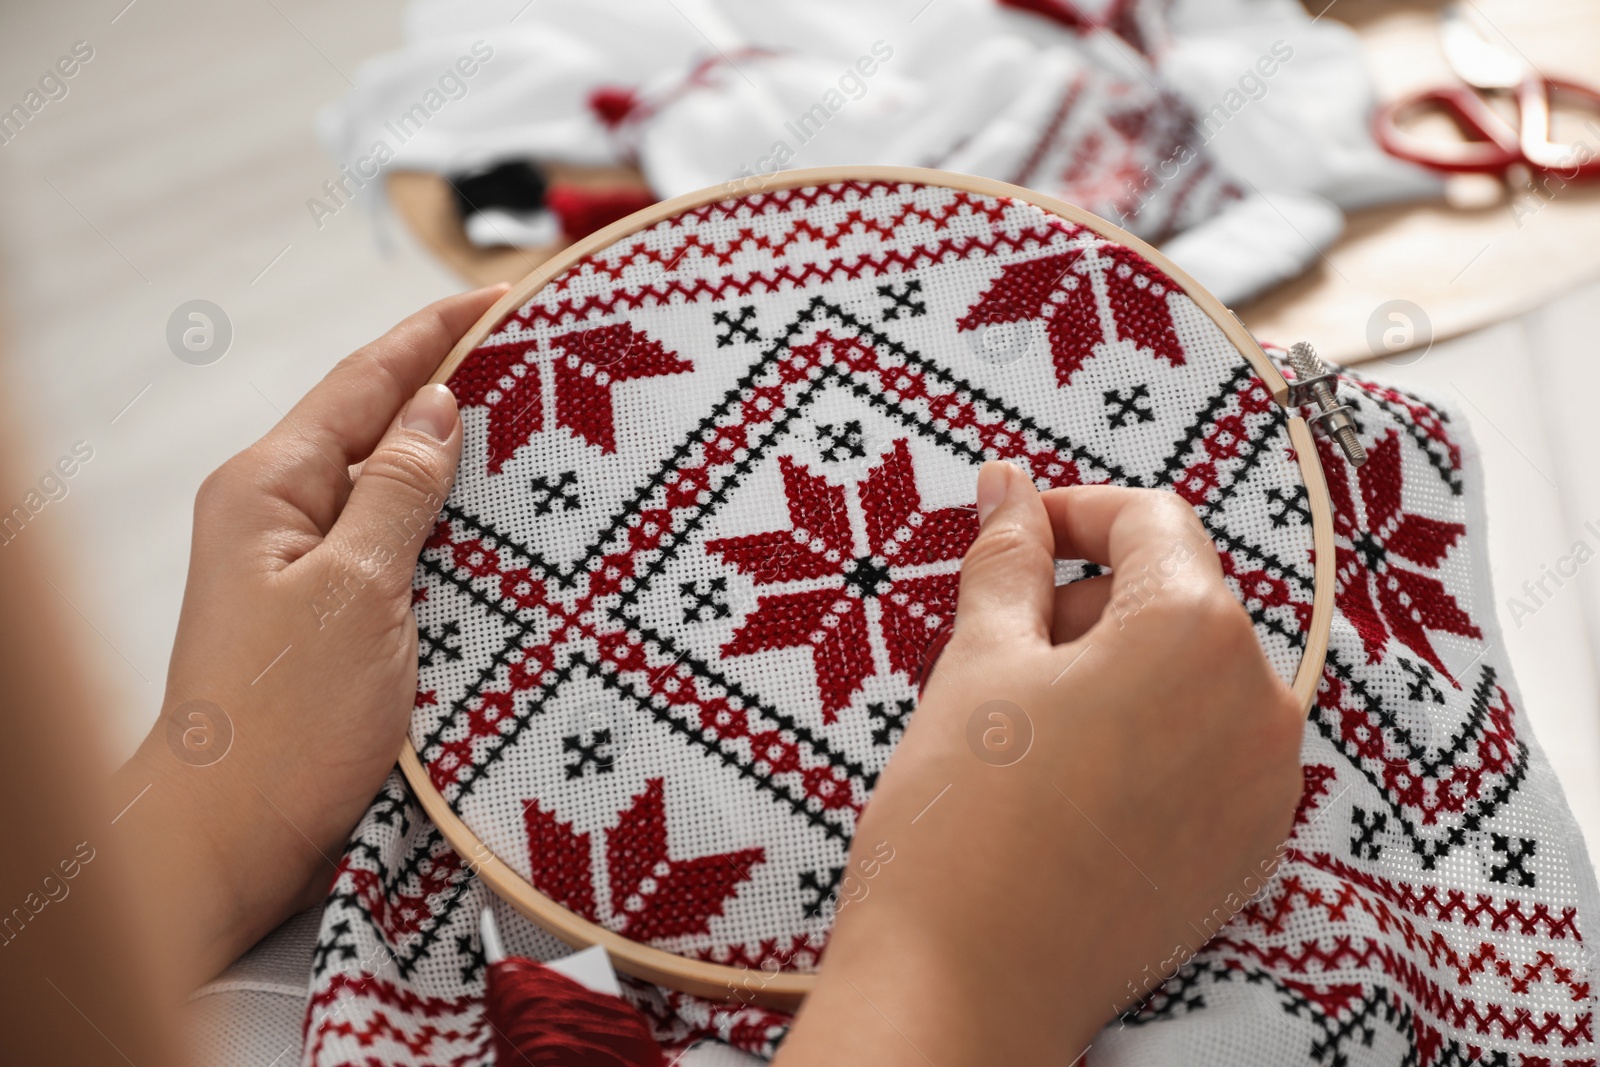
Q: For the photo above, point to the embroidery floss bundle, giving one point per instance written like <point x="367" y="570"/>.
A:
<point x="544" y="1017"/>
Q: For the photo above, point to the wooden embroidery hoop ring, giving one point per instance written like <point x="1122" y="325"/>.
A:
<point x="786" y="989"/>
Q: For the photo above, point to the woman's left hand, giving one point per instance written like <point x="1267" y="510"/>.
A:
<point x="294" y="670"/>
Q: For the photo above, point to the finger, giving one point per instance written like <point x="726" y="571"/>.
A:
<point x="308" y="454"/>
<point x="1008" y="575"/>
<point x="1128" y="529"/>
<point x="1154" y="543"/>
<point x="1078" y="607"/>
<point x="396" y="501"/>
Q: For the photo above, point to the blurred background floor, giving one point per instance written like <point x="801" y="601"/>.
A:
<point x="139" y="191"/>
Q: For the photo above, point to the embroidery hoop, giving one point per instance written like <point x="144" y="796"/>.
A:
<point x="786" y="989"/>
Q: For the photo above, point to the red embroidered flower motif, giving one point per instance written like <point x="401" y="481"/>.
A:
<point x="654" y="895"/>
<point x="504" y="379"/>
<point x="907" y="571"/>
<point x="1379" y="596"/>
<point x="1058" y="289"/>
<point x="612" y="104"/>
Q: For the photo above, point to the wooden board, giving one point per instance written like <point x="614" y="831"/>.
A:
<point x="1482" y="258"/>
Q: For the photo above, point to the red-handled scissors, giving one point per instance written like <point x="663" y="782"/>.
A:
<point x="1490" y="144"/>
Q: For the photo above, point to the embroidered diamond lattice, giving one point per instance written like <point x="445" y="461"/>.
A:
<point x="717" y="482"/>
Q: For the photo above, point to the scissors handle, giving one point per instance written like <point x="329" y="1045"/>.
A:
<point x="1568" y="161"/>
<point x="1488" y="146"/>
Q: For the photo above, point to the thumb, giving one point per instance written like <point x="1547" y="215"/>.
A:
<point x="396" y="499"/>
<point x="1008" y="575"/>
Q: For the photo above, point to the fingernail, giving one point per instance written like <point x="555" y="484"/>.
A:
<point x="498" y="289"/>
<point x="994" y="479"/>
<point x="433" y="411"/>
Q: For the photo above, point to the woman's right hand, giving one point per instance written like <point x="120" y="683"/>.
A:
<point x="1097" y="777"/>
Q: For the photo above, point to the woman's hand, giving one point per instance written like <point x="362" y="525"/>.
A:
<point x="1096" y="778"/>
<point x="295" y="666"/>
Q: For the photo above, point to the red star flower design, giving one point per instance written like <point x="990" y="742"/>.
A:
<point x="654" y="895"/>
<point x="1058" y="289"/>
<point x="505" y="379"/>
<point x="836" y="589"/>
<point x="1379" y="596"/>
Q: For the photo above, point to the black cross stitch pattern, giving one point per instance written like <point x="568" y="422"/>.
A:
<point x="1430" y="764"/>
<point x="1210" y="510"/>
<point x="1335" y="1035"/>
<point x="421" y="942"/>
<point x="903" y="300"/>
<point x="866" y="576"/>
<point x="1129" y="409"/>
<point x="843" y="442"/>
<point x="342" y="944"/>
<point x="1421" y="686"/>
<point x="1289" y="507"/>
<point x="470" y="948"/>
<point x="740" y="326"/>
<point x="816" y="887"/>
<point x="894" y="722"/>
<point x="1515" y="855"/>
<point x="388" y="809"/>
<point x="1373" y="553"/>
<point x="589" y="754"/>
<point x="547" y="494"/>
<point x="524" y="627"/>
<point x="422" y="932"/>
<point x="1362" y="846"/>
<point x="431" y="643"/>
<point x="414" y="940"/>
<point x="709" y="603"/>
<point x="1178" y="995"/>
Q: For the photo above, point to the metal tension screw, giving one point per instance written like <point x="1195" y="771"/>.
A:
<point x="1315" y="383"/>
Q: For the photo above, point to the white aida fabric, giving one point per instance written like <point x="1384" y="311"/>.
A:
<point x="717" y="482"/>
<point x="251" y="1015"/>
